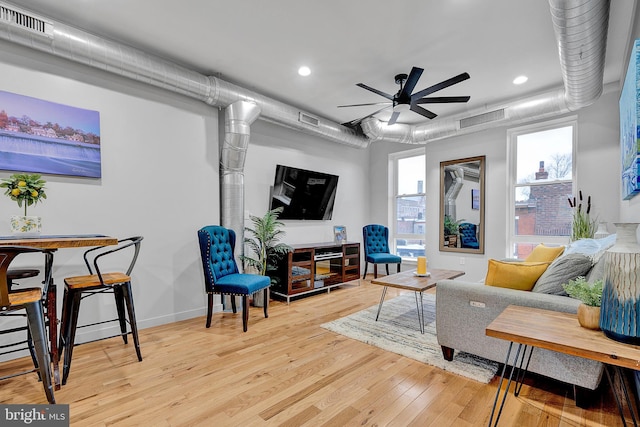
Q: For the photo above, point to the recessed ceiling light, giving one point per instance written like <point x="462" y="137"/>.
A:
<point x="520" y="79"/>
<point x="304" y="71"/>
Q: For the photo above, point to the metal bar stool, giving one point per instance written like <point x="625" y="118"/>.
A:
<point x="79" y="287"/>
<point x="12" y="275"/>
<point x="29" y="299"/>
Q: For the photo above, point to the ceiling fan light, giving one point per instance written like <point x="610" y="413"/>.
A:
<point x="401" y="107"/>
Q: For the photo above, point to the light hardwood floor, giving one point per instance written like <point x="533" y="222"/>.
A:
<point x="285" y="371"/>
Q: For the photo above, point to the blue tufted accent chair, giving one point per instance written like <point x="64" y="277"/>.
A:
<point x="468" y="237"/>
<point x="221" y="274"/>
<point x="376" y="248"/>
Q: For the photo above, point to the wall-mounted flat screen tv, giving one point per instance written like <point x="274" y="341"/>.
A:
<point x="303" y="194"/>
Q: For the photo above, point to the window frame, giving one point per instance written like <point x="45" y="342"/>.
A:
<point x="512" y="158"/>
<point x="394" y="196"/>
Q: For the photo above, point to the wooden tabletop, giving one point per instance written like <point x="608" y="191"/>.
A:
<point x="59" y="241"/>
<point x="561" y="332"/>
<point x="409" y="281"/>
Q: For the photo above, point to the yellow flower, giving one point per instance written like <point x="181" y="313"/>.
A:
<point x="22" y="184"/>
<point x="15" y="191"/>
<point x="34" y="193"/>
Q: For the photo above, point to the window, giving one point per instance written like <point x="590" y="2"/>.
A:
<point x="541" y="177"/>
<point x="407" y="232"/>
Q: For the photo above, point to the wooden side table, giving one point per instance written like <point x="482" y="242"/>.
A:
<point x="552" y="330"/>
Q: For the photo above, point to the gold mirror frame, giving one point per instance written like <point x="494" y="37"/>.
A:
<point x="462" y="201"/>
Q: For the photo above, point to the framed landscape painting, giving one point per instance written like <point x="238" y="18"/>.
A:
<point x="45" y="137"/>
<point x="629" y="110"/>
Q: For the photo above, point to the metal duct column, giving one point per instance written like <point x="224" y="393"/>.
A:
<point x="450" y="197"/>
<point x="581" y="28"/>
<point x="237" y="129"/>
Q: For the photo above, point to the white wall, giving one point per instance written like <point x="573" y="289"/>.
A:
<point x="160" y="172"/>
<point x="597" y="174"/>
<point x="159" y="180"/>
<point x="272" y="145"/>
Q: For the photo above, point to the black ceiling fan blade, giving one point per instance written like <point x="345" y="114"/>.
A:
<point x="439" y="86"/>
<point x="393" y="118"/>
<point x="357" y="121"/>
<point x="365" y="105"/>
<point x="411" y="82"/>
<point x="441" y="99"/>
<point x="423" y="111"/>
<point x="379" y="92"/>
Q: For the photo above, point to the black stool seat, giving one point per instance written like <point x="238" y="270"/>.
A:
<point x="20" y="273"/>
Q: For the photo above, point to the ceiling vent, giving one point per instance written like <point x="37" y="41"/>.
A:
<point x="25" y="20"/>
<point x="480" y="119"/>
<point x="310" y="120"/>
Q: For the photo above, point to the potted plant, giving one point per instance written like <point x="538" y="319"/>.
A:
<point x="451" y="231"/>
<point x="264" y="245"/>
<point x="591" y="297"/>
<point x="582" y="226"/>
<point x="27" y="190"/>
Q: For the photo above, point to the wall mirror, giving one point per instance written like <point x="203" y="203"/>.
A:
<point x="462" y="205"/>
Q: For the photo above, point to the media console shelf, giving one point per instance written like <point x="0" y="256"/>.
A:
<point x="317" y="267"/>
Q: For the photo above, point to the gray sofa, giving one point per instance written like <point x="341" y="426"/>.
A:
<point x="464" y="310"/>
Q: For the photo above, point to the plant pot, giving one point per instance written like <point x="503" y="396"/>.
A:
<point x="451" y="240"/>
<point x="589" y="316"/>
<point x="26" y="226"/>
<point x="258" y="299"/>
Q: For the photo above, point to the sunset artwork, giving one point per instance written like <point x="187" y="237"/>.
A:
<point x="46" y="137"/>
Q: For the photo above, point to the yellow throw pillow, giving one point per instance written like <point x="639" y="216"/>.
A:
<point x="542" y="253"/>
<point x="514" y="275"/>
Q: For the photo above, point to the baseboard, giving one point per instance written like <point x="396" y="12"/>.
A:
<point x="114" y="328"/>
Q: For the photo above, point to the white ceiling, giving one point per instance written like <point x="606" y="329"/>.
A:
<point x="260" y="45"/>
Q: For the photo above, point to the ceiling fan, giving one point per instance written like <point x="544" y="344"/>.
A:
<point x="404" y="100"/>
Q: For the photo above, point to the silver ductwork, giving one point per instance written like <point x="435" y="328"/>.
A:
<point x="581" y="28"/>
<point x="237" y="131"/>
<point x="79" y="46"/>
<point x="457" y="177"/>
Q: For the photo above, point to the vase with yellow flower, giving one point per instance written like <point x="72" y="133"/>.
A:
<point x="27" y="190"/>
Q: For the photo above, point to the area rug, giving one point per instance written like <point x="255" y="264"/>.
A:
<point x="398" y="330"/>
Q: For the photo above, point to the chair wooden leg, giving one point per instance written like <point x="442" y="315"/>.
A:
<point x="73" y="306"/>
<point x="398" y="269"/>
<point x="233" y="303"/>
<point x="35" y="317"/>
<point x="209" y="309"/>
<point x="387" y="266"/>
<point x="266" y="302"/>
<point x="375" y="271"/>
<point x="245" y="312"/>
<point x="118" y="294"/>
<point x="128" y="298"/>
<point x="366" y="264"/>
